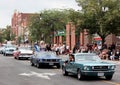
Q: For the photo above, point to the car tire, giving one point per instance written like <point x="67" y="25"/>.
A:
<point x="5" y="54"/>
<point x="64" y="72"/>
<point x="37" y="65"/>
<point x="17" y="58"/>
<point x="31" y="63"/>
<point x="109" y="77"/>
<point x="79" y="75"/>
<point x="58" y="66"/>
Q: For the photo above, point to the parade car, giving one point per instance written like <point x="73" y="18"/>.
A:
<point x="88" y="64"/>
<point x="23" y="53"/>
<point x="8" y="50"/>
<point x="2" y="48"/>
<point x="40" y="59"/>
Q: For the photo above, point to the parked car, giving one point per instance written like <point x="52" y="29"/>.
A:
<point x="23" y="52"/>
<point x="2" y="48"/>
<point x="8" y="50"/>
<point x="40" y="59"/>
<point x="88" y="64"/>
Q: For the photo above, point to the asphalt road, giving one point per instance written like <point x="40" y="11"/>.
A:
<point x="19" y="72"/>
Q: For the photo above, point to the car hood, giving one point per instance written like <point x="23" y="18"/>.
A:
<point x="26" y="51"/>
<point x="49" y="57"/>
<point x="10" y="48"/>
<point x="94" y="63"/>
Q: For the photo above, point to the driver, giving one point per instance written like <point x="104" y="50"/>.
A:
<point x="71" y="57"/>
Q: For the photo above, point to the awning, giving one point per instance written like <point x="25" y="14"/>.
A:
<point x="97" y="38"/>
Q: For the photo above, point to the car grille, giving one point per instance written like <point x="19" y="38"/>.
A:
<point x="25" y="54"/>
<point x="50" y="60"/>
<point x="100" y="68"/>
<point x="11" y="50"/>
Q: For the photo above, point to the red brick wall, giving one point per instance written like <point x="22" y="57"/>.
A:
<point x="68" y="34"/>
<point x="60" y="39"/>
<point x="73" y="37"/>
<point x="19" y="20"/>
<point x="81" y="38"/>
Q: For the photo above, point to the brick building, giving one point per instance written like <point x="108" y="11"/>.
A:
<point x="19" y="23"/>
<point x="71" y="38"/>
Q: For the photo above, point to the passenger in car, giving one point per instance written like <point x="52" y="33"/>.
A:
<point x="71" y="57"/>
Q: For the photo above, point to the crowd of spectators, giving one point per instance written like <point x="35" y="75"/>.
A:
<point x="105" y="52"/>
<point x="58" y="48"/>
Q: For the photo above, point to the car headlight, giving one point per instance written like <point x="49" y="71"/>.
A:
<point x="40" y="60"/>
<point x="86" y="68"/>
<point x="112" y="67"/>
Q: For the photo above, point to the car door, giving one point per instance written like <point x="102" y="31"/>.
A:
<point x="73" y="66"/>
<point x="34" y="58"/>
<point x="69" y="66"/>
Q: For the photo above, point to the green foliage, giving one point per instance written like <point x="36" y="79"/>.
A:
<point x="101" y="16"/>
<point x="42" y="26"/>
<point x="6" y="33"/>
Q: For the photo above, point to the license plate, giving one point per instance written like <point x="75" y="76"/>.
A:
<point x="100" y="74"/>
<point x="51" y="64"/>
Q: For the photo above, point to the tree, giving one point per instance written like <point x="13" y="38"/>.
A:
<point x="101" y="16"/>
<point x="43" y="25"/>
<point x="34" y="27"/>
<point x="74" y="17"/>
<point x="7" y="33"/>
<point x="1" y="36"/>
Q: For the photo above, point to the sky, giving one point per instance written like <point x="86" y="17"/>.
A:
<point x="7" y="7"/>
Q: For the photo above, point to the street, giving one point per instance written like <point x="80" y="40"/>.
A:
<point x="19" y="72"/>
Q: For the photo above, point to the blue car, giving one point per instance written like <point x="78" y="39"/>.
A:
<point x="87" y="64"/>
<point x="40" y="59"/>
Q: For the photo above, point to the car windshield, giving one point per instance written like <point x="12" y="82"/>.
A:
<point x="46" y="54"/>
<point x="24" y="48"/>
<point x="10" y="46"/>
<point x="87" y="57"/>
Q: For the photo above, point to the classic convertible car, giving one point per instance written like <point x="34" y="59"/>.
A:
<point x="40" y="59"/>
<point x="23" y="52"/>
<point x="88" y="64"/>
<point x="8" y="49"/>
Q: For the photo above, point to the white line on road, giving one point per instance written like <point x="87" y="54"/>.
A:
<point x="42" y="75"/>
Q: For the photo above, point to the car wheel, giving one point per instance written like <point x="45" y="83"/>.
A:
<point x="108" y="77"/>
<point x="64" y="72"/>
<point x="18" y="58"/>
<point x="79" y="75"/>
<point x="5" y="54"/>
<point x="58" y="66"/>
<point x="31" y="63"/>
<point x="15" y="57"/>
<point x="37" y="65"/>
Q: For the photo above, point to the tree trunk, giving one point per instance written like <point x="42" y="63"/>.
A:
<point x="103" y="40"/>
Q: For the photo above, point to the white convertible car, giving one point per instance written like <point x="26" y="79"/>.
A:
<point x="23" y="52"/>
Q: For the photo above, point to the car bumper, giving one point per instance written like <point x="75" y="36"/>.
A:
<point x="25" y="56"/>
<point x="49" y="63"/>
<point x="11" y="53"/>
<point x="97" y="73"/>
